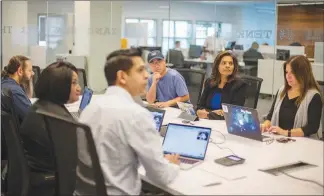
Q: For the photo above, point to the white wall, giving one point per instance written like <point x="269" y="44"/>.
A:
<point x="14" y="23"/>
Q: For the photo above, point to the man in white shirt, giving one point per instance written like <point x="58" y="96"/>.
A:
<point x="213" y="45"/>
<point x="124" y="132"/>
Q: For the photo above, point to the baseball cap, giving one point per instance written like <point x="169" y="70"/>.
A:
<point x="154" y="55"/>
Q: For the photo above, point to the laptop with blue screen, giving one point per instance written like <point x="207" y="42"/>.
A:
<point x="244" y="122"/>
<point x="86" y="98"/>
<point x="190" y="142"/>
<point x="158" y="116"/>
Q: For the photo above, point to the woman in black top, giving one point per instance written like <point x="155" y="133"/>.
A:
<point x="57" y="85"/>
<point x="222" y="87"/>
<point x="296" y="110"/>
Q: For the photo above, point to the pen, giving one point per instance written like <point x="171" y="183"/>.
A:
<point x="212" y="184"/>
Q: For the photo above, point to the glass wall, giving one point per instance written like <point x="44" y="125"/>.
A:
<point x="84" y="32"/>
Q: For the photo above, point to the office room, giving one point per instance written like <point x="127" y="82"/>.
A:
<point x="162" y="97"/>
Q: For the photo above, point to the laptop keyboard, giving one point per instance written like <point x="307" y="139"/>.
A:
<point x="188" y="161"/>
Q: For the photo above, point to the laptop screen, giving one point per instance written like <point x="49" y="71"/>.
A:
<point x="158" y="116"/>
<point x="188" y="141"/>
<point x="86" y="98"/>
<point x="242" y="121"/>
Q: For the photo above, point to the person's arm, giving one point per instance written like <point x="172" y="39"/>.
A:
<point x="151" y="92"/>
<point x="21" y="103"/>
<point x="145" y="141"/>
<point x="313" y="116"/>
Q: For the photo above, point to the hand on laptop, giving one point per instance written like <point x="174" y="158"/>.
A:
<point x="162" y="104"/>
<point x="202" y="113"/>
<point x="265" y="126"/>
<point x="276" y="130"/>
<point x="173" y="158"/>
<point x="219" y="112"/>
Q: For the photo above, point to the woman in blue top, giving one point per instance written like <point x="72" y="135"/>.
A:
<point x="222" y="87"/>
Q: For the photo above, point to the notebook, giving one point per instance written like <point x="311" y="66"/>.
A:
<point x="190" y="142"/>
<point x="244" y="122"/>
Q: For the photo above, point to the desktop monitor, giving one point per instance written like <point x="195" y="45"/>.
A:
<point x="151" y="48"/>
<point x="283" y="55"/>
<point x="195" y="51"/>
<point x="238" y="47"/>
<point x="230" y="45"/>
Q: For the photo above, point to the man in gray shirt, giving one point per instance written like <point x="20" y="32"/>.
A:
<point x="124" y="132"/>
<point x="251" y="56"/>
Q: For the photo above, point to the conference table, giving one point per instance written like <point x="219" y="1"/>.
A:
<point x="245" y="178"/>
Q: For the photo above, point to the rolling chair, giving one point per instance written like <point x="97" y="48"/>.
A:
<point x="82" y="79"/>
<point x="176" y="58"/>
<point x="17" y="176"/>
<point x="37" y="72"/>
<point x="252" y="91"/>
<point x="194" y="80"/>
<point x="77" y="164"/>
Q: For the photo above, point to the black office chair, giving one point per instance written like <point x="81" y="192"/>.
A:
<point x="252" y="91"/>
<point x="176" y="58"/>
<point x="37" y="72"/>
<point x="17" y="176"/>
<point x="77" y="163"/>
<point x="194" y="81"/>
<point x="82" y="79"/>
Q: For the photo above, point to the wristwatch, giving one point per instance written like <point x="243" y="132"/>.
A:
<point x="289" y="133"/>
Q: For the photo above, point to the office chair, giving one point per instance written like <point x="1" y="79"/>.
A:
<point x="17" y="176"/>
<point x="37" y="72"/>
<point x="77" y="163"/>
<point x="194" y="81"/>
<point x="252" y="91"/>
<point x="176" y="58"/>
<point x="82" y="79"/>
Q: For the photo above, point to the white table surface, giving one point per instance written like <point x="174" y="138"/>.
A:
<point x="258" y="155"/>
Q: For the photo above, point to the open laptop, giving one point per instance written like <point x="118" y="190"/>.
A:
<point x="158" y="116"/>
<point x="190" y="142"/>
<point x="86" y="98"/>
<point x="244" y="122"/>
<point x="188" y="111"/>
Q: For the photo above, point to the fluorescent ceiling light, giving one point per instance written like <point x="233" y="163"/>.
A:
<point x="164" y="7"/>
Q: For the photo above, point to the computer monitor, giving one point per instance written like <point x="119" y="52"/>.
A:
<point x="238" y="47"/>
<point x="230" y="45"/>
<point x="195" y="51"/>
<point x="151" y="48"/>
<point x="283" y="55"/>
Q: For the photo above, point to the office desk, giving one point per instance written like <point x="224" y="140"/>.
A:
<point x="258" y="155"/>
<point x="245" y="178"/>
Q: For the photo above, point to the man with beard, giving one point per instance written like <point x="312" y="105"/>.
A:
<point x="17" y="76"/>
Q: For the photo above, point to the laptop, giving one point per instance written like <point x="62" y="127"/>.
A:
<point x="190" y="142"/>
<point x="86" y="98"/>
<point x="188" y="111"/>
<point x="244" y="122"/>
<point x="158" y="116"/>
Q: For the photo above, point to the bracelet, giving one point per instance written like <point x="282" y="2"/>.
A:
<point x="289" y="133"/>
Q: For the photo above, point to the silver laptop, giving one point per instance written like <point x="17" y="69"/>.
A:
<point x="244" y="122"/>
<point x="158" y="116"/>
<point x="190" y="142"/>
<point x="86" y="98"/>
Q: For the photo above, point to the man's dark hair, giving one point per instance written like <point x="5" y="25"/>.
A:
<point x="177" y="42"/>
<point x="54" y="83"/>
<point x="119" y="60"/>
<point x="14" y="63"/>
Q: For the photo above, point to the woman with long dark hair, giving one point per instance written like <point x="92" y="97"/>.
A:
<point x="296" y="110"/>
<point x="222" y="87"/>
